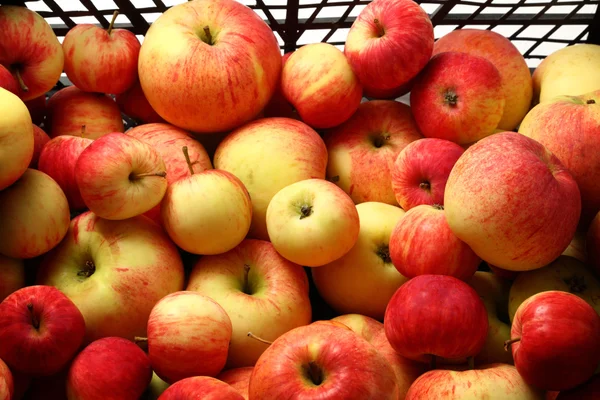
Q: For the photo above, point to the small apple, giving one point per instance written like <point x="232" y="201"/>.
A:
<point x="134" y="104"/>
<point x="586" y="391"/>
<point x="593" y="244"/>
<point x="12" y="276"/>
<point x="6" y="382"/>
<point x="238" y="378"/>
<point x="201" y="387"/>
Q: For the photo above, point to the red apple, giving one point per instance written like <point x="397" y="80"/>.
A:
<point x="40" y="330"/>
<point x="593" y="244"/>
<point x="37" y="109"/>
<point x="6" y="382"/>
<point x="420" y="171"/>
<point x="201" y="387"/>
<point x="555" y="337"/>
<point x="7" y="81"/>
<point x="110" y="367"/>
<point x="12" y="276"/>
<point x="436" y="316"/>
<point x="278" y="105"/>
<point x="586" y="391"/>
<point x="238" y="378"/>
<point x="102" y="61"/>
<point x="389" y="43"/>
<point x="40" y="138"/>
<point x="134" y="104"/>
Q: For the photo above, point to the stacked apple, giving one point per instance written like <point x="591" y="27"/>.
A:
<point x="456" y="241"/>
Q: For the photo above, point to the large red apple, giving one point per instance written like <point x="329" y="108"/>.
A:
<point x="8" y="82"/>
<point x="555" y="337"/>
<point x="134" y="104"/>
<point x="238" y="378"/>
<point x="6" y="382"/>
<point x="201" y="387"/>
<point x="593" y="244"/>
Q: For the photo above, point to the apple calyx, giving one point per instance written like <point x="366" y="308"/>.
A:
<point x="384" y="253"/>
<point x="576" y="284"/>
<point x="314" y="373"/>
<point x="380" y="30"/>
<point x="379" y="141"/>
<point x="425" y="185"/>
<point x="305" y="211"/>
<point x="112" y="23"/>
<point x="450" y="97"/>
<point x="88" y="270"/>
<point x="209" y="39"/>
<point x="508" y="343"/>
<point x="189" y="162"/>
<point x="253" y="336"/>
<point x="133" y="177"/>
<point x="17" y="71"/>
<point x="34" y="320"/>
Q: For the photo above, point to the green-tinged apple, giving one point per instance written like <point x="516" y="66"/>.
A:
<point x="37" y="109"/>
<point x="325" y="362"/>
<point x="41" y="330"/>
<point x="16" y="136"/>
<point x="8" y="82"/>
<point x="120" y="177"/>
<point x="389" y="43"/>
<point x="110" y="367"/>
<point x="135" y="105"/>
<point x="236" y="52"/>
<point x="101" y="61"/>
<point x="188" y="335"/>
<point x="268" y="155"/>
<point x="458" y="97"/>
<point x="35" y="216"/>
<point x="574" y="120"/>
<point x="363" y="149"/>
<point x="433" y="316"/>
<point x="488" y="382"/>
<point x="565" y="274"/>
<point x="201" y="387"/>
<point x="238" y="378"/>
<point x="6" y="382"/>
<point x="517" y="86"/>
<point x="421" y="170"/>
<point x="513" y="221"/>
<point x="30" y="50"/>
<point x="114" y="271"/>
<point x="312" y="222"/>
<point x="40" y="138"/>
<point x="592" y="244"/>
<point x="262" y="293"/>
<point x="12" y="276"/>
<point x="422" y="243"/>
<point x="586" y="391"/>
<point x="364" y="280"/>
<point x="71" y="108"/>
<point x="156" y="387"/>
<point x="554" y="342"/>
<point x="319" y="83"/>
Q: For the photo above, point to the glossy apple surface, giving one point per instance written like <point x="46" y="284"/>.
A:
<point x="201" y="387"/>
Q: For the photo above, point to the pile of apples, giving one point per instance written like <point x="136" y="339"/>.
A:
<point x="457" y="239"/>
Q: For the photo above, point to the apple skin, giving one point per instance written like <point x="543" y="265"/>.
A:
<point x="586" y="391"/>
<point x="268" y="155"/>
<point x="6" y="382"/>
<point x="421" y="170"/>
<point x="363" y="280"/>
<point x="458" y="97"/>
<point x="35" y="216"/>
<point x="577" y="247"/>
<point x="238" y="378"/>
<point x="127" y="278"/>
<point x="490" y="382"/>
<point x="319" y="83"/>
<point x="188" y="335"/>
<point x="345" y="366"/>
<point x="201" y="387"/>
<point x="40" y="138"/>
<point x="16" y="134"/>
<point x="425" y="301"/>
<point x="277" y="299"/>
<point x="12" y="276"/>
<point x="156" y="387"/>
<point x="110" y="365"/>
<point x="29" y="42"/>
<point x="312" y="222"/>
<point x="71" y="108"/>
<point x="559" y="335"/>
<point x="363" y="149"/>
<point x="41" y="330"/>
<point x="392" y="59"/>
<point x="99" y="60"/>
<point x="574" y="120"/>
<point x="37" y="109"/>
<point x="134" y="104"/>
<point x="517" y="85"/>
<point x="8" y="82"/>
<point x="240" y="71"/>
<point x="422" y="243"/>
<point x="593" y="244"/>
<point x="512" y="221"/>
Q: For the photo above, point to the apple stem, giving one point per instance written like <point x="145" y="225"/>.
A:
<point x="208" y="35"/>
<point x="508" y="343"/>
<point x="112" y="22"/>
<point x="246" y="273"/>
<point x="21" y="81"/>
<point x="425" y="185"/>
<point x="451" y="98"/>
<point x="315" y="373"/>
<point x="590" y="101"/>
<point x="380" y="30"/>
<point x="186" y="154"/>
<point x="253" y="336"/>
<point x="433" y="362"/>
<point x="471" y="362"/>
<point x="305" y="211"/>
<point x="161" y="174"/>
<point x="142" y="342"/>
<point x="34" y="320"/>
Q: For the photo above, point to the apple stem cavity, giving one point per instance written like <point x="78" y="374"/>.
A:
<point x="379" y="141"/>
<point x="161" y="174"/>
<point x="590" y="101"/>
<point x="246" y="288"/>
<point x="253" y="336"/>
<point x="186" y="154"/>
<point x="508" y="343"/>
<point x="34" y="320"/>
<point x="112" y="22"/>
<point x="88" y="270"/>
<point x="20" y="80"/>
<point x="314" y="372"/>
<point x="384" y="253"/>
<point x="380" y="30"/>
<point x="305" y="211"/>
<point x="451" y="98"/>
<point x="209" y="38"/>
<point x="425" y="185"/>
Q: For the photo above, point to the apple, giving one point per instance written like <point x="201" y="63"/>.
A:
<point x="102" y="61"/>
<point x="312" y="222"/>
<point x="593" y="244"/>
<point x="35" y="216"/>
<point x="421" y="170"/>
<point x="458" y="97"/>
<point x="434" y="316"/>
<point x="577" y="247"/>
<point x="58" y="159"/>
<point x="322" y="361"/>
<point x="30" y="50"/>
<point x="490" y="382"/>
<point x="574" y="120"/>
<point x="586" y="391"/>
<point x="422" y="243"/>
<point x="8" y="82"/>
<point x="503" y="273"/>
<point x="6" y="382"/>
<point x="261" y="291"/>
<point x="278" y="106"/>
<point x="41" y="330"/>
<point x="389" y="94"/>
<point x="114" y="272"/>
<point x="40" y="138"/>
<point x="319" y="83"/>
<point x="389" y="43"/>
<point x="239" y="70"/>
<point x="71" y="108"/>
<point x="188" y="335"/>
<point x="513" y="221"/>
<point x="16" y="135"/>
<point x="268" y="155"/>
<point x="134" y="104"/>
<point x="238" y="378"/>
<point x="120" y="176"/>
<point x="37" y="109"/>
<point x="363" y="149"/>
<point x="517" y="86"/>
<point x="12" y="276"/>
<point x="201" y="387"/>
<point x="565" y="274"/>
<point x="111" y="366"/>
<point x="364" y="280"/>
<point x="156" y="387"/>
<point x="555" y="338"/>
